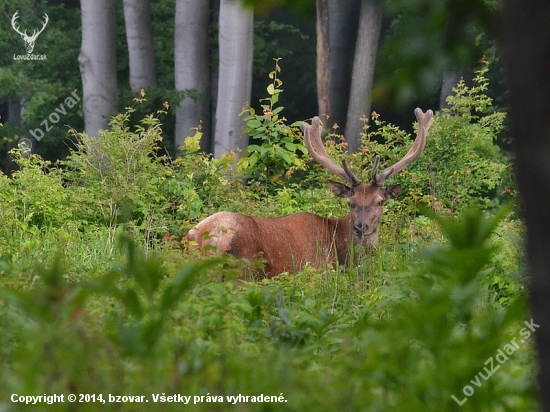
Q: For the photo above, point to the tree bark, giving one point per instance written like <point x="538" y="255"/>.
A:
<point x="97" y="61"/>
<point x="323" y="53"/>
<point x="192" y="70"/>
<point x="141" y="51"/>
<point x="526" y="42"/>
<point x="343" y="26"/>
<point x="366" y="47"/>
<point x="450" y="79"/>
<point x="15" y="109"/>
<point x="235" y="79"/>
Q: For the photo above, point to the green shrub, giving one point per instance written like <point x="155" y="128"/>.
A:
<point x="143" y="329"/>
<point x="461" y="166"/>
<point x="273" y="162"/>
<point x="407" y="328"/>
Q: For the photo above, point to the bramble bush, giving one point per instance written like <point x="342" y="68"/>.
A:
<point x="99" y="295"/>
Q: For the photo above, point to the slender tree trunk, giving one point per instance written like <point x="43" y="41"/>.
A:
<point x="97" y="61"/>
<point x="343" y="25"/>
<point x="139" y="36"/>
<point x="526" y="42"/>
<point x="192" y="72"/>
<point x="214" y="72"/>
<point x="370" y="25"/>
<point x="450" y="79"/>
<point x="323" y="53"/>
<point x="15" y="108"/>
<point x="235" y="80"/>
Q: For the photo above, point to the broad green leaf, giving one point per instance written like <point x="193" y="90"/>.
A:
<point x="291" y="146"/>
<point x="254" y="123"/>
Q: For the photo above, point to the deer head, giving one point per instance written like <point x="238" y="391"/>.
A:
<point x="29" y="40"/>
<point x="366" y="202"/>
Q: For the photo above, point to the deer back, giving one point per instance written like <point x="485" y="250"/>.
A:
<point x="285" y="243"/>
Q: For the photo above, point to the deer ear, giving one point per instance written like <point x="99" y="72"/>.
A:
<point x="392" y="192"/>
<point x="340" y="190"/>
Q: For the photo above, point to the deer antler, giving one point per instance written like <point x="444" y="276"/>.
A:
<point x="316" y="148"/>
<point x="425" y="120"/>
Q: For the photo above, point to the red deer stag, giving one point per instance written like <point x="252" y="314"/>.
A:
<point x="287" y="243"/>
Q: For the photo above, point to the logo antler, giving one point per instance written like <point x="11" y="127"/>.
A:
<point x="29" y="40"/>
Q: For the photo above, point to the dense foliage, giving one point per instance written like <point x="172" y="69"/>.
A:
<point x="101" y="296"/>
<point x="42" y="86"/>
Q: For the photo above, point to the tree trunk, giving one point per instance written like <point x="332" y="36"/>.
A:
<point x="323" y="53"/>
<point x="343" y="26"/>
<point x="192" y="70"/>
<point x="139" y="36"/>
<point x="235" y="80"/>
<point x="97" y="61"/>
<point x="450" y="80"/>
<point x="15" y="109"/>
<point x="370" y="25"/>
<point x="526" y="42"/>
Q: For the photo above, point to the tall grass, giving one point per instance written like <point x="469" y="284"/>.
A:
<point x="99" y="294"/>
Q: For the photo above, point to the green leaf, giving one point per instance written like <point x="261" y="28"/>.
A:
<point x="254" y="123"/>
<point x="132" y="303"/>
<point x="291" y="146"/>
<point x="253" y="159"/>
<point x="302" y="148"/>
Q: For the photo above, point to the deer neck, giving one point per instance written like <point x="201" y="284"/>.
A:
<point x="346" y="239"/>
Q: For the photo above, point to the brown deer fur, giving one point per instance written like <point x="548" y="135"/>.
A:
<point x="287" y="243"/>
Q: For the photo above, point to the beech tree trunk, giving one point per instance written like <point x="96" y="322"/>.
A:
<point x="526" y="42"/>
<point x="192" y="71"/>
<point x="15" y="110"/>
<point x="343" y="25"/>
<point x="97" y="61"/>
<point x="141" y="51"/>
<point x="323" y="53"/>
<point x="235" y="79"/>
<point x="450" y="80"/>
<point x="366" y="47"/>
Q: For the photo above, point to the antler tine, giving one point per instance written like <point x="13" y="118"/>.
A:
<point x="351" y="178"/>
<point x="316" y="148"/>
<point x="425" y="120"/>
<point x="13" y="24"/>
<point x="373" y="174"/>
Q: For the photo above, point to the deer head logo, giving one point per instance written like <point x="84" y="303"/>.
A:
<point x="29" y="40"/>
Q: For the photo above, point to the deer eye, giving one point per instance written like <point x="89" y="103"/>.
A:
<point x="351" y="204"/>
<point x="381" y="203"/>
